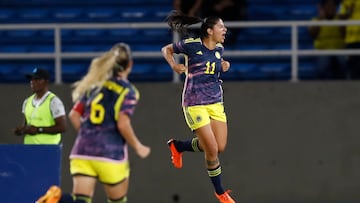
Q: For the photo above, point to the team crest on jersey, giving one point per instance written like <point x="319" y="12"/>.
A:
<point x="217" y="55"/>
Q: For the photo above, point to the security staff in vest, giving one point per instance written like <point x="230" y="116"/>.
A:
<point x="44" y="112"/>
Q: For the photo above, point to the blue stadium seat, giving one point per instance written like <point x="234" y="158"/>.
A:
<point x="18" y="37"/>
<point x="7" y="69"/>
<point x="158" y="32"/>
<point x="147" y="47"/>
<point x="303" y="11"/>
<point x="79" y="48"/>
<point x="67" y="14"/>
<point x="34" y="15"/>
<point x="142" y="68"/>
<point x="163" y="68"/>
<point x="281" y="10"/>
<point x="169" y="2"/>
<point x="239" y="71"/>
<point x="142" y="72"/>
<point x="9" y="74"/>
<point x="88" y="33"/>
<point x="14" y="48"/>
<point x="258" y="31"/>
<point x="300" y="2"/>
<point x="163" y="72"/>
<point x="257" y="38"/>
<point x="307" y="70"/>
<point x="281" y="46"/>
<point x="21" y="33"/>
<point x="159" y="36"/>
<point x="103" y="48"/>
<point x="65" y="34"/>
<point x="265" y="12"/>
<point x="95" y="14"/>
<point x="133" y="14"/>
<point x="159" y="13"/>
<point x="6" y="15"/>
<point x="73" y="71"/>
<point x="274" y="71"/>
<point x="126" y="35"/>
<point x="243" y="68"/>
<point x="87" y="38"/>
<point x="47" y="48"/>
<point x="261" y="1"/>
<point x="251" y="47"/>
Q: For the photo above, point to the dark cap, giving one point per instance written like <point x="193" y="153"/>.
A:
<point x="38" y="73"/>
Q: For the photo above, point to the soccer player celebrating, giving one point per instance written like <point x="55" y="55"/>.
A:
<point x="202" y="98"/>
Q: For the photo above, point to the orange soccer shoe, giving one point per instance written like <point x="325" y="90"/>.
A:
<point x="225" y="198"/>
<point x="176" y="156"/>
<point x="53" y="195"/>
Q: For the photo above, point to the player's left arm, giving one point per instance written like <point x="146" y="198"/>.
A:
<point x="128" y="133"/>
<point x="225" y="65"/>
<point x="125" y="127"/>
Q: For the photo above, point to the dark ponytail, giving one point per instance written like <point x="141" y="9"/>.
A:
<point x="179" y="22"/>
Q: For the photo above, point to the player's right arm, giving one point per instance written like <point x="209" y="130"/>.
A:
<point x="168" y="54"/>
<point x="75" y="115"/>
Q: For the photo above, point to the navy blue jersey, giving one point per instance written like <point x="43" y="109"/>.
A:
<point x="99" y="137"/>
<point x="202" y="84"/>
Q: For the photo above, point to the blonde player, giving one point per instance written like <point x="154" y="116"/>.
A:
<point x="104" y="102"/>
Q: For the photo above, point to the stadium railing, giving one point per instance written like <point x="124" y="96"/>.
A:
<point x="294" y="52"/>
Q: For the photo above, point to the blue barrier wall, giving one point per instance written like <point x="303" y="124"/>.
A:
<point x="27" y="171"/>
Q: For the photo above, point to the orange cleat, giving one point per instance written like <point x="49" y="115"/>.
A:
<point x="53" y="195"/>
<point x="176" y="156"/>
<point x="225" y="198"/>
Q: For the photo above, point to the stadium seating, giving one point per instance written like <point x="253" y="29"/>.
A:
<point x="89" y="40"/>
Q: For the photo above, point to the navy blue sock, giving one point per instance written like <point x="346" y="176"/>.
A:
<point x="188" y="145"/>
<point x="82" y="199"/>
<point x="69" y="198"/>
<point x="121" y="200"/>
<point x="66" y="198"/>
<point x="215" y="176"/>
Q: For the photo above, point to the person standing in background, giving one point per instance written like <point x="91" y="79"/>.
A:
<point x="44" y="112"/>
<point x="350" y="10"/>
<point x="329" y="38"/>
<point x="202" y="99"/>
<point x="188" y="7"/>
<point x="227" y="10"/>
